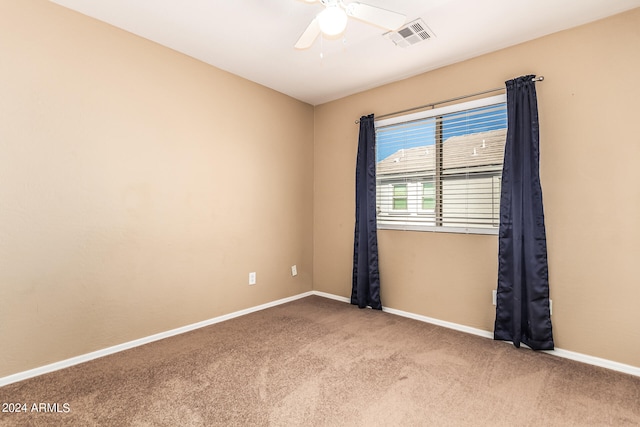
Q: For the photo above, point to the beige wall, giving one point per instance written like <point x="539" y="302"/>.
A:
<point x="590" y="148"/>
<point x="138" y="188"/>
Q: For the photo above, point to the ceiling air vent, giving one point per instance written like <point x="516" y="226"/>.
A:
<point x="412" y="33"/>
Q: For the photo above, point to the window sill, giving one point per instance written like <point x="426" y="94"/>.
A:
<point x="434" y="229"/>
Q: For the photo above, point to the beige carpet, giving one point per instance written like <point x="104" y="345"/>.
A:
<point x="318" y="362"/>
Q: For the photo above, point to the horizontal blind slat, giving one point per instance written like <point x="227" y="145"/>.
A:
<point x="468" y="160"/>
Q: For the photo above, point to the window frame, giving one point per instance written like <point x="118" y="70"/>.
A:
<point x="437" y="112"/>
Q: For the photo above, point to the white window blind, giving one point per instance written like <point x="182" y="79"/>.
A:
<point x="441" y="169"/>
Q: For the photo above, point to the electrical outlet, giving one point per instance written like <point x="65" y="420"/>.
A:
<point x="252" y="278"/>
<point x="294" y="270"/>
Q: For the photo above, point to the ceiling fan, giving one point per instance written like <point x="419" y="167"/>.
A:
<point x="333" y="19"/>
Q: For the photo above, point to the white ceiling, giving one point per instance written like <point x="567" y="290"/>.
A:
<point x="254" y="38"/>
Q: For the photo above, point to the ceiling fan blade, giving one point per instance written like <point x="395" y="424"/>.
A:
<point x="376" y="16"/>
<point x="309" y="36"/>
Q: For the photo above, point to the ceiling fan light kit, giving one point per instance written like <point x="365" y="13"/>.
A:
<point x="332" y="21"/>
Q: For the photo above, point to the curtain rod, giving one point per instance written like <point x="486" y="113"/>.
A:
<point x="433" y="104"/>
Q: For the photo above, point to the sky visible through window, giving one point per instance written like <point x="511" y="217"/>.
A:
<point x="422" y="132"/>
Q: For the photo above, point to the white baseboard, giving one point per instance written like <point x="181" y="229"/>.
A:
<point x="20" y="376"/>
<point x="591" y="360"/>
<point x="596" y="361"/>
<point x="439" y="322"/>
<point x="566" y="354"/>
<point x="331" y="296"/>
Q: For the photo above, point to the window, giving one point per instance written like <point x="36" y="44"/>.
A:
<point x="428" y="196"/>
<point x="400" y="197"/>
<point x="440" y="169"/>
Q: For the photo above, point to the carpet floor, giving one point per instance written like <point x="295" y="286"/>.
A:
<point x="319" y="362"/>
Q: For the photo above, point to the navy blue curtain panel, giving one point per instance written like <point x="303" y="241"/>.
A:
<point x="522" y="308"/>
<point x="365" y="290"/>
